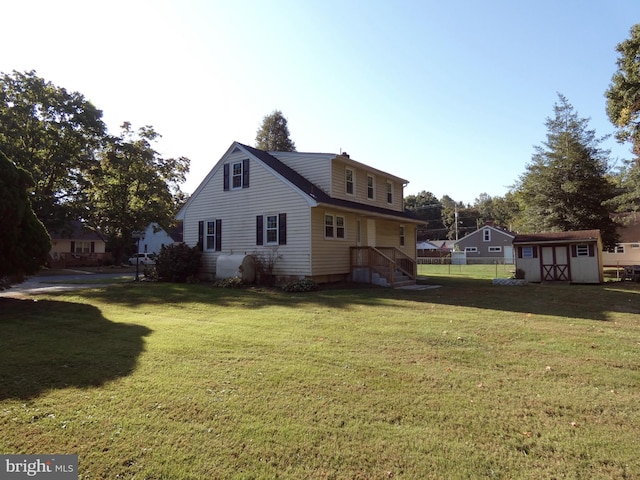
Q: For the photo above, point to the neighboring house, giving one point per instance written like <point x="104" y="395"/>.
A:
<point x="320" y="216"/>
<point x="627" y="250"/>
<point x="574" y="257"/>
<point x="488" y="244"/>
<point x="77" y="245"/>
<point x="155" y="238"/>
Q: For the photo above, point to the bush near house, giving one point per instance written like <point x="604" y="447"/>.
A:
<point x="178" y="263"/>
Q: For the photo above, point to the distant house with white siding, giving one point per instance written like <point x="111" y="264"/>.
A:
<point x="627" y="250"/>
<point x="155" y="237"/>
<point x="321" y="216"/>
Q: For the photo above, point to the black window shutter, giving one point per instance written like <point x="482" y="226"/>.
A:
<point x="519" y="252"/>
<point x="574" y="251"/>
<point x="200" y="235"/>
<point x="535" y="252"/>
<point x="245" y="173"/>
<point x="592" y="251"/>
<point x="218" y="235"/>
<point x="282" y="229"/>
<point x="73" y="246"/>
<point x="259" y="232"/>
<point x="93" y="247"/>
<point x="226" y="177"/>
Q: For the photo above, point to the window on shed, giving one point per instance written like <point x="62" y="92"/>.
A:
<point x="528" y="252"/>
<point x="582" y="250"/>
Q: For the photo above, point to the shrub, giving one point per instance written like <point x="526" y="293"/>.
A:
<point x="304" y="285"/>
<point x="232" y="282"/>
<point x="178" y="263"/>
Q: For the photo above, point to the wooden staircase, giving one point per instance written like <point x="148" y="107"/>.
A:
<point x="383" y="266"/>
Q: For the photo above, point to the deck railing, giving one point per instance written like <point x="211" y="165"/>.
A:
<point x="384" y="261"/>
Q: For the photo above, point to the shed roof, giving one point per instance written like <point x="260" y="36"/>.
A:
<point x="558" y="237"/>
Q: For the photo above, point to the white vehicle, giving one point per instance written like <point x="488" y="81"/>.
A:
<point x="143" y="259"/>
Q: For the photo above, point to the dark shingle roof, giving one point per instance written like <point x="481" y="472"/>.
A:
<point x="75" y="230"/>
<point x="316" y="193"/>
<point x="571" y="236"/>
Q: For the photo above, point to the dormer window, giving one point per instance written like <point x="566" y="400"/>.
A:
<point x="389" y="192"/>
<point x="349" y="181"/>
<point x="236" y="175"/>
<point x="370" y="187"/>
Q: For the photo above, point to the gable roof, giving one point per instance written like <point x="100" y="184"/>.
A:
<point x="558" y="237"/>
<point x="75" y="230"/>
<point x="499" y="230"/>
<point x="307" y="188"/>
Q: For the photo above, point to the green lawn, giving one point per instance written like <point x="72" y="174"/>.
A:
<point x="469" y="380"/>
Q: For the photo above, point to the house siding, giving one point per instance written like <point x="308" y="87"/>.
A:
<point x="314" y="167"/>
<point x="339" y="188"/>
<point x="267" y="194"/>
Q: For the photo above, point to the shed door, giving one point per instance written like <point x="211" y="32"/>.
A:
<point x="555" y="264"/>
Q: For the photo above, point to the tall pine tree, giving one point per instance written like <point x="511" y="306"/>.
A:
<point x="273" y="134"/>
<point x="566" y="185"/>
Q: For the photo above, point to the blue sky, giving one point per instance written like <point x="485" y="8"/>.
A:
<point x="452" y="96"/>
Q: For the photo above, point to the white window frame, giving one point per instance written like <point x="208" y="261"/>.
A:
<point x="272" y="228"/>
<point x="582" y="250"/>
<point x="389" y="192"/>
<point x="527" y="252"/>
<point x="349" y="180"/>
<point x="471" y="249"/>
<point x="82" y="247"/>
<point x="495" y="249"/>
<point x="486" y="235"/>
<point x="402" y="235"/>
<point x="236" y="176"/>
<point x="210" y="234"/>
<point x="371" y="187"/>
<point x="338" y="226"/>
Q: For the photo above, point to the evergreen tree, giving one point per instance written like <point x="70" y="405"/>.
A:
<point x="623" y="95"/>
<point x="273" y="134"/>
<point x="24" y="242"/>
<point x="566" y="186"/>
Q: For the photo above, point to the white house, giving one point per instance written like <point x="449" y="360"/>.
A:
<point x="156" y="237"/>
<point x="317" y="215"/>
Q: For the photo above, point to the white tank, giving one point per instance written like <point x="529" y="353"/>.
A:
<point x="241" y="266"/>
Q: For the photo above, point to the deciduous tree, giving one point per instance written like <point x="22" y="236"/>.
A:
<point x="132" y="186"/>
<point x="52" y="134"/>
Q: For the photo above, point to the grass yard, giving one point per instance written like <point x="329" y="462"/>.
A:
<point x="470" y="380"/>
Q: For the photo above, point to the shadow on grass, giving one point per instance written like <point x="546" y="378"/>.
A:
<point x="50" y="344"/>
<point x="593" y="302"/>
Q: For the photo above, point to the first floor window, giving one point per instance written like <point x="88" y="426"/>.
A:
<point x="334" y="226"/>
<point x="213" y="235"/>
<point x="82" y="247"/>
<point x="271" y="229"/>
<point x="471" y="249"/>
<point x="495" y="249"/>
